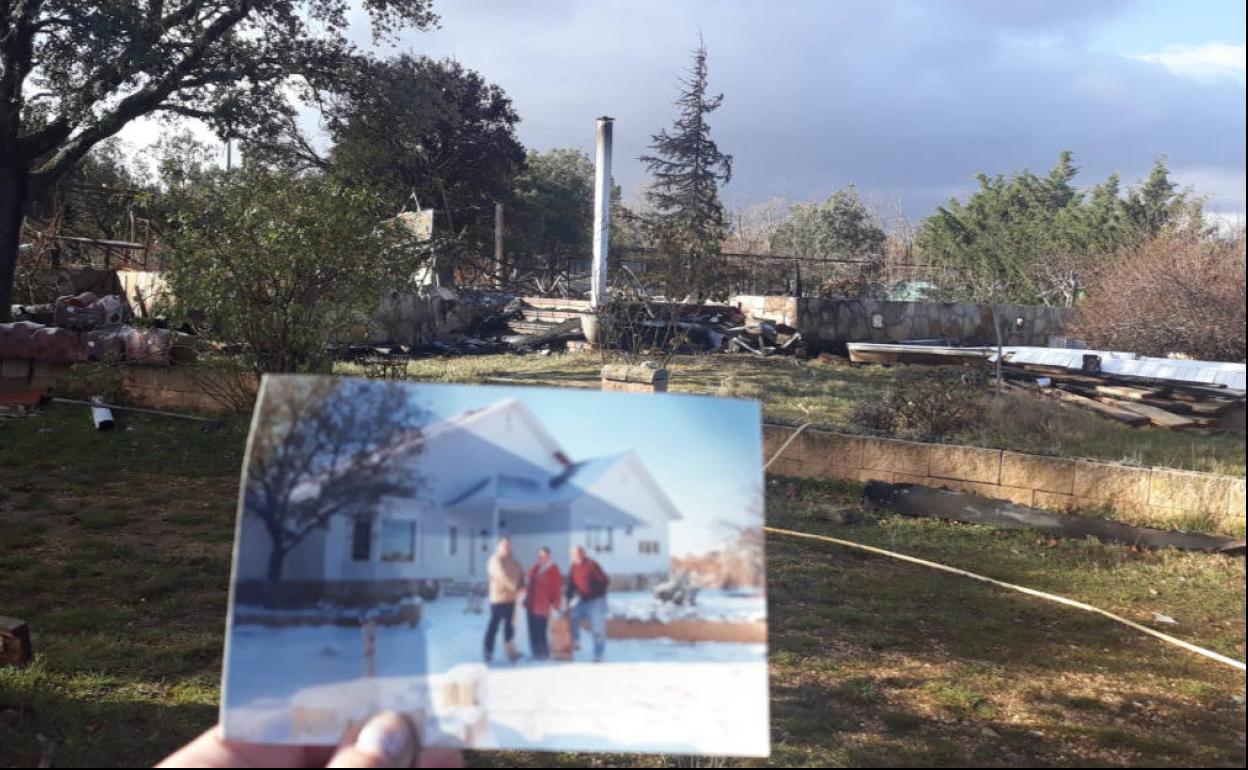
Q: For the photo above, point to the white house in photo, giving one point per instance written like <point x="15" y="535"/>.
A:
<point x="482" y="474"/>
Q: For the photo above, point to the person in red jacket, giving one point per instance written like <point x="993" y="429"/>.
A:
<point x="587" y="584"/>
<point x="545" y="588"/>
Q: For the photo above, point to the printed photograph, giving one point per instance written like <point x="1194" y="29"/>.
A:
<point x="512" y="568"/>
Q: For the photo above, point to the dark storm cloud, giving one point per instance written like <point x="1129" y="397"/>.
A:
<point x="905" y="99"/>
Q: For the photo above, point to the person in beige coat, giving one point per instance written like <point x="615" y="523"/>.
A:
<point x="506" y="582"/>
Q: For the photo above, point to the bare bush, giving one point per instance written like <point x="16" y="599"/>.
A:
<point x="231" y="385"/>
<point x="930" y="404"/>
<point x="1181" y="291"/>
<point x="105" y="380"/>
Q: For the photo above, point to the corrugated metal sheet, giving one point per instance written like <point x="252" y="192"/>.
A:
<point x="1117" y="362"/>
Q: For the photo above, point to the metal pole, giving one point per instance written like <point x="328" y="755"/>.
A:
<point x="602" y="213"/>
<point x="498" y="245"/>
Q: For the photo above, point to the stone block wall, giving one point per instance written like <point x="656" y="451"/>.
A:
<point x="768" y="308"/>
<point x="1154" y="496"/>
<point x="184" y="388"/>
<point x="830" y="323"/>
<point x="172" y="388"/>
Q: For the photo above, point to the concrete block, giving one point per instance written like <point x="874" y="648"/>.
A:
<point x="903" y="478"/>
<point x="15" y="649"/>
<point x="634" y="387"/>
<point x="908" y="457"/>
<point x="1043" y="474"/>
<point x="1165" y="518"/>
<point x="785" y="466"/>
<point x="831" y="472"/>
<point x="1192" y="492"/>
<point x="1111" y="483"/>
<point x="634" y="374"/>
<point x="1235" y="501"/>
<point x="965" y="463"/>
<point x="1017" y="495"/>
<point x="865" y="475"/>
<point x="774" y="437"/>
<point x="969" y="487"/>
<point x="1053" y="501"/>
<point x="1117" y="510"/>
<point x="832" y="449"/>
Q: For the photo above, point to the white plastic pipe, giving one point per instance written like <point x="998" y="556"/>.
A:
<point x="101" y="415"/>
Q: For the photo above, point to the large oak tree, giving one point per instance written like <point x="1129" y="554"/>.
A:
<point x="75" y="72"/>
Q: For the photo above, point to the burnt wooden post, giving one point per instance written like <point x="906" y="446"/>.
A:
<point x="15" y="647"/>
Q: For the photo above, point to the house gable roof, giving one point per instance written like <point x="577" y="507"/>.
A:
<point x="508" y="409"/>
<point x="578" y="480"/>
<point x="630" y="461"/>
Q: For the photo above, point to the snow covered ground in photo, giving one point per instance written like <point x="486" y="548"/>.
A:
<point x="649" y="695"/>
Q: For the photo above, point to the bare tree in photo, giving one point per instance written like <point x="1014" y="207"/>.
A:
<point x="324" y="447"/>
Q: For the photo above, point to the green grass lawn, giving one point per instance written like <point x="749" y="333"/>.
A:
<point x="116" y="546"/>
<point x="794" y="391"/>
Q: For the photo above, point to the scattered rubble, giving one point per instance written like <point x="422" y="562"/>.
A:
<point x="1132" y="399"/>
<point x="439" y="321"/>
<point x="1178" y="394"/>
<point x="678" y="590"/>
<point x="86" y="327"/>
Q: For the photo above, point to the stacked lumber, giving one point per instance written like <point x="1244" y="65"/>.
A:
<point x="1128" y="399"/>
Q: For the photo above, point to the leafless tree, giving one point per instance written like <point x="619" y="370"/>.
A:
<point x="326" y="446"/>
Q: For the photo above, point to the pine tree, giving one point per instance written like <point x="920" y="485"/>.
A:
<point x="1153" y="204"/>
<point x="688" y="224"/>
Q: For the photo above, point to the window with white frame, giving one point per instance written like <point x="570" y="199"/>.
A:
<point x="648" y="546"/>
<point x="452" y="541"/>
<point x="599" y="539"/>
<point x="397" y="540"/>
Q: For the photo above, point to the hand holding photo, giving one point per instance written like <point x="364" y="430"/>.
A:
<point x="511" y="568"/>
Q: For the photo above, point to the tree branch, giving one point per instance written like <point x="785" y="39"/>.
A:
<point x="141" y="102"/>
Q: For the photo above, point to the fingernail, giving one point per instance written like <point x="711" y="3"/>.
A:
<point x="389" y="736"/>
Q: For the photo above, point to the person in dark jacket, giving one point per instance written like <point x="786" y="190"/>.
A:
<point x="543" y="596"/>
<point x="587" y="584"/>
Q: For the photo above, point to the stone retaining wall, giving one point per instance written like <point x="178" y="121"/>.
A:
<point x="174" y="388"/>
<point x="830" y="323"/>
<point x="1154" y="496"/>
<point x="185" y="388"/>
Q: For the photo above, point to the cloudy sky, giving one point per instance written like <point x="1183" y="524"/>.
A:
<point x="908" y="99"/>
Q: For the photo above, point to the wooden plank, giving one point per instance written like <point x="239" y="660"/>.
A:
<point x="558" y="303"/>
<point x="1191" y="389"/>
<point x="1214" y="408"/>
<point x="1130" y="393"/>
<point x="1158" y="416"/>
<point x="1105" y="410"/>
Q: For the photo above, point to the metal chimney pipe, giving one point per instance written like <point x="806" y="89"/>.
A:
<point x="602" y="213"/>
